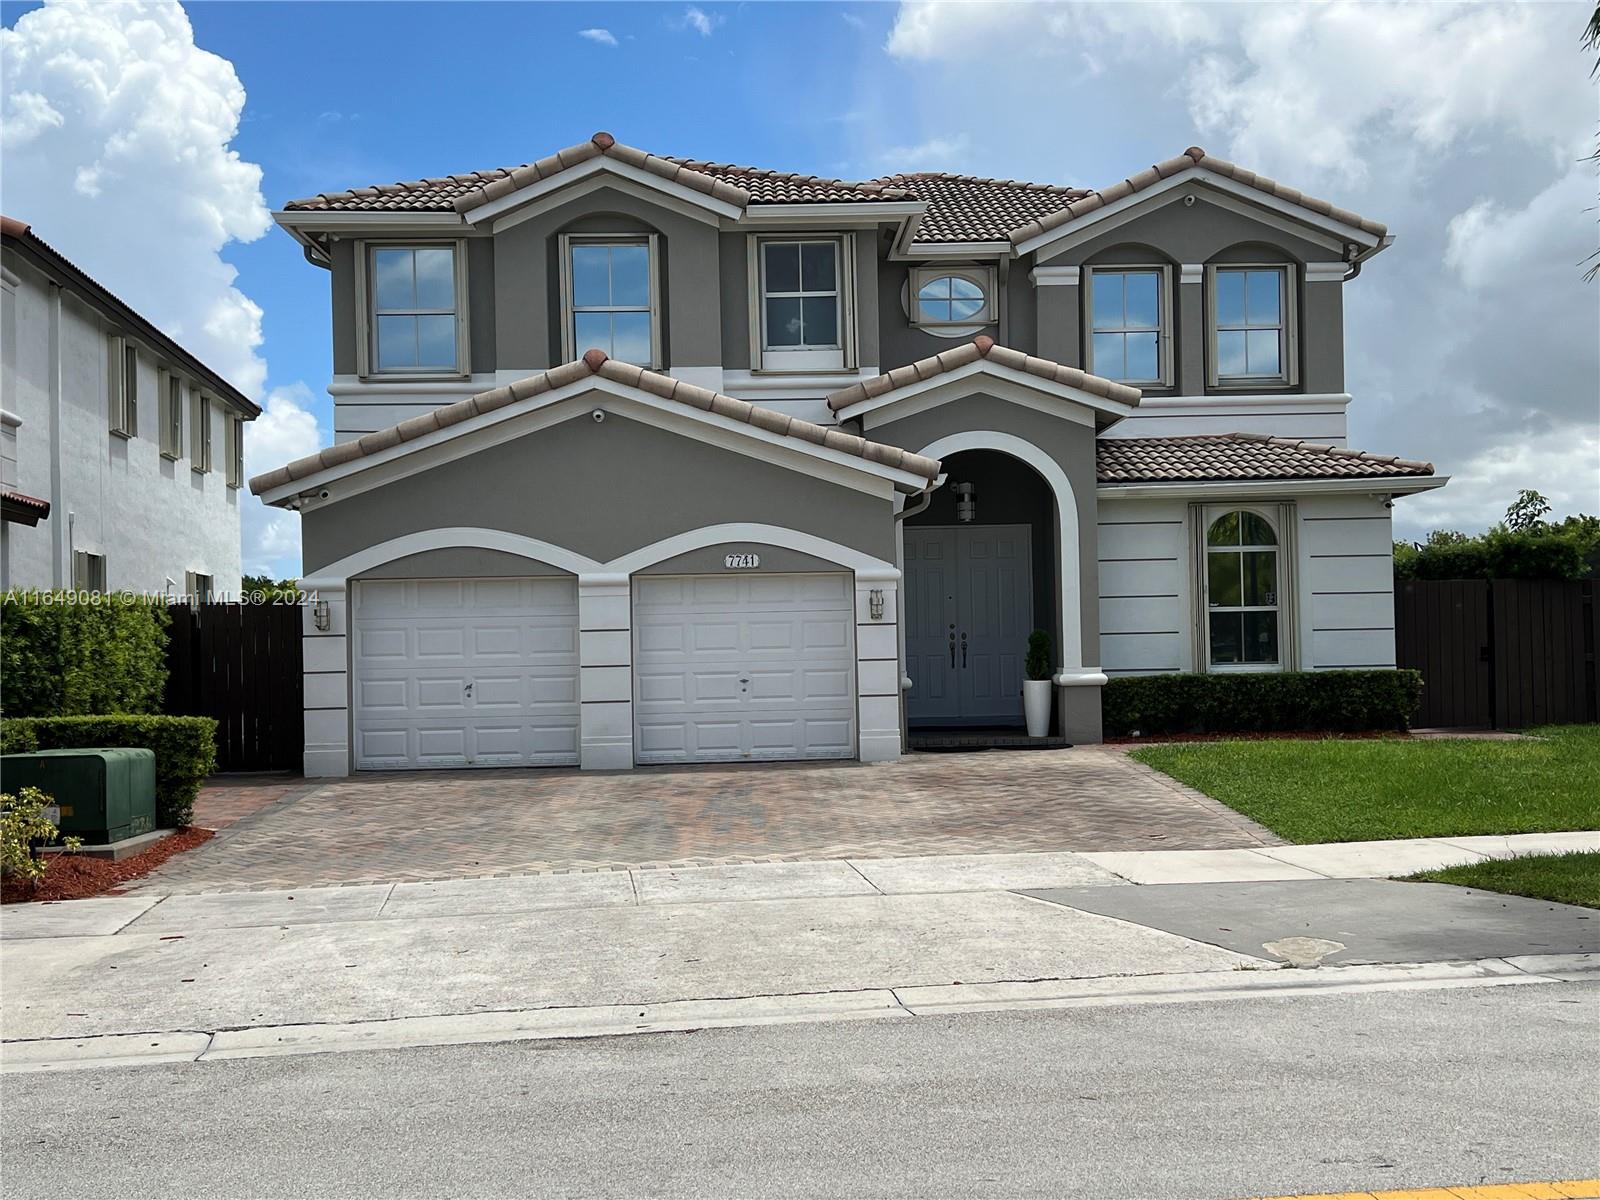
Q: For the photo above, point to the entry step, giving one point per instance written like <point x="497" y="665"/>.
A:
<point x="944" y="741"/>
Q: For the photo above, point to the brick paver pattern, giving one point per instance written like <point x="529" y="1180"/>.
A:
<point x="462" y="824"/>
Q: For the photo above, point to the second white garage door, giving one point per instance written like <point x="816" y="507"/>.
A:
<point x="730" y="668"/>
<point x="465" y="672"/>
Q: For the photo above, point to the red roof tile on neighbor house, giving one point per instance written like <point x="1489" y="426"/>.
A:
<point x="1239" y="456"/>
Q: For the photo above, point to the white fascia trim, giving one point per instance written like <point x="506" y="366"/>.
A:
<point x="925" y="250"/>
<point x="822" y="214"/>
<point x="1000" y="389"/>
<point x="538" y="412"/>
<point x="863" y="564"/>
<point x="1229" y="489"/>
<point x="347" y="222"/>
<point x="601" y="181"/>
<point x="1326" y="272"/>
<point x="984" y="366"/>
<point x="1076" y="229"/>
<point x="562" y="180"/>
<point x="782" y="385"/>
<point x="1066" y="520"/>
<point x="1055" y="276"/>
<point x="1208" y="405"/>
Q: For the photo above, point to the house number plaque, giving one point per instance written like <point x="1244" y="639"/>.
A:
<point x="741" y="562"/>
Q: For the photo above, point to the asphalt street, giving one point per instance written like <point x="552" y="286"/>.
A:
<point x="1202" y="1101"/>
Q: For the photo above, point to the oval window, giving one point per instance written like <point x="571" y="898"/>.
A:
<point x="950" y="298"/>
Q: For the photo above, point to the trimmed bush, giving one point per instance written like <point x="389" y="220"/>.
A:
<point x="1269" y="702"/>
<point x="66" y="654"/>
<point x="185" y="749"/>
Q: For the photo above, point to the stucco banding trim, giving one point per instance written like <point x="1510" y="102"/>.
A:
<point x="985" y="348"/>
<point x="595" y="363"/>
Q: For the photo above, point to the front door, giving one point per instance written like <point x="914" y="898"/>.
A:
<point x="969" y="610"/>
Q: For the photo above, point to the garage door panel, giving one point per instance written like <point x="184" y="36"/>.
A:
<point x="744" y="667"/>
<point x="420" y="643"/>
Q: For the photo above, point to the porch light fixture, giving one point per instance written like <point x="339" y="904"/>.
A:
<point x="875" y="604"/>
<point x="321" y="616"/>
<point x="966" y="502"/>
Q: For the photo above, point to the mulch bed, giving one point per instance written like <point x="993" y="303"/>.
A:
<point x="77" y="876"/>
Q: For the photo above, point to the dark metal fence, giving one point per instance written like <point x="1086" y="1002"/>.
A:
<point x="1502" y="653"/>
<point x="240" y="664"/>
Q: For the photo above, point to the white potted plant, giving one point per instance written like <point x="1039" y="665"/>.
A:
<point x="1037" y="687"/>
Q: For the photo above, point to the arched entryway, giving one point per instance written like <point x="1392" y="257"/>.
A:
<point x="981" y="573"/>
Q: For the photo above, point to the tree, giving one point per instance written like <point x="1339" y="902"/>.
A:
<point x="1526" y="511"/>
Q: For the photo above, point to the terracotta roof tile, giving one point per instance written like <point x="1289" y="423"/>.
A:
<point x="970" y="352"/>
<point x="595" y="362"/>
<point x="1239" y="456"/>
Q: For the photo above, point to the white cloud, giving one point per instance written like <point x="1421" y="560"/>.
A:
<point x="602" y="37"/>
<point x="1471" y="342"/>
<point x="700" y="21"/>
<point x="285" y="430"/>
<point x="850" y="19"/>
<point x="116" y="100"/>
<point x="934" y="154"/>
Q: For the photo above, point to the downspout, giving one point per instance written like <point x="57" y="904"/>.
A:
<point x="60" y="544"/>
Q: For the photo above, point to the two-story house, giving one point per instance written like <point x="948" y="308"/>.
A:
<point x="651" y="460"/>
<point x="121" y="454"/>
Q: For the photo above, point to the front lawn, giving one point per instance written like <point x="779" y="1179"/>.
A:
<point x="1565" y="878"/>
<point x="1344" y="791"/>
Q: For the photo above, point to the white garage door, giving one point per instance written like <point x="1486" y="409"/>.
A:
<point x="735" y="667"/>
<point x="465" y="672"/>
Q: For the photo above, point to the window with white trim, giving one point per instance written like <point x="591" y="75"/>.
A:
<point x="802" y="315"/>
<point x="1252" y="326"/>
<point x="1243" y="584"/>
<point x="235" y="450"/>
<point x="951" y="301"/>
<point x="1130" y="324"/>
<point x="122" y="362"/>
<point x="199" y="431"/>
<point x="88" y="571"/>
<point x="171" y="415"/>
<point x="414" y="310"/>
<point x="198" y="588"/>
<point x="609" y="287"/>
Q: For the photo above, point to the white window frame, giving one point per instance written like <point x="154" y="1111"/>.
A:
<point x="569" y="312"/>
<point x="195" y="591"/>
<point x="781" y="360"/>
<point x="1210" y="516"/>
<point x="122" y="373"/>
<point x="199" y="431"/>
<point x="367" y="317"/>
<point x="1164" y="356"/>
<point x="233" y="435"/>
<point x="1288" y="337"/>
<point x="88" y="571"/>
<point x="980" y="276"/>
<point x="171" y="398"/>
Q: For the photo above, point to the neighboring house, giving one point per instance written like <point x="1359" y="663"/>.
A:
<point x="650" y="460"/>
<point x="122" y="453"/>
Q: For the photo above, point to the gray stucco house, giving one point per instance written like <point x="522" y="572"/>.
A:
<point x="650" y="460"/>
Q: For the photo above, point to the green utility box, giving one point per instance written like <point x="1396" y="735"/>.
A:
<point x="104" y="795"/>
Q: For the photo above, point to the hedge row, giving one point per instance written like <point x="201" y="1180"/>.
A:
<point x="185" y="749"/>
<point x="1275" y="702"/>
<point x="65" y="654"/>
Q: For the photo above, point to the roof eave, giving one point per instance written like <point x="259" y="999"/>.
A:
<point x="1182" y="489"/>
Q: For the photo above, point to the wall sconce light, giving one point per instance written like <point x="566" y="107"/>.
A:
<point x="322" y="616"/>
<point x="875" y="603"/>
<point x="966" y="502"/>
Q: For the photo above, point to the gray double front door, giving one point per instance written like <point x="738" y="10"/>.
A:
<point x="968" y="612"/>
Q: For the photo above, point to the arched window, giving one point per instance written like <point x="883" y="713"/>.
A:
<point x="1242" y="586"/>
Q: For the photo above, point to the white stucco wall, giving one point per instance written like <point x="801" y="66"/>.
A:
<point x="154" y="519"/>
<point x="1344" y="593"/>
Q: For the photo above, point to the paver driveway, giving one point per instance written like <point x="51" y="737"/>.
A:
<point x="453" y="824"/>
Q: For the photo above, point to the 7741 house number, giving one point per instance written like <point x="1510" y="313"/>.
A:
<point x="741" y="562"/>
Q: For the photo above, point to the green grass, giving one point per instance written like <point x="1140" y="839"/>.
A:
<point x="1566" y="878"/>
<point x="1343" y="791"/>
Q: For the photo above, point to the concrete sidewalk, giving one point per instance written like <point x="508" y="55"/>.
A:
<point x="325" y="968"/>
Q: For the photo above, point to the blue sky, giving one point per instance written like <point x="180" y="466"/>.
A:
<point x="134" y="130"/>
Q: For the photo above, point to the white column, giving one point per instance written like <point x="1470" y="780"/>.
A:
<point x="878" y="665"/>
<point x="324" y="657"/>
<point x="605" y="673"/>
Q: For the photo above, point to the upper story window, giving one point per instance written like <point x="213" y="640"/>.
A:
<point x="415" y="325"/>
<point x="171" y="415"/>
<point x="199" y="431"/>
<point x="1242" y="592"/>
<point x="951" y="301"/>
<point x="235" y="449"/>
<point x="610" y="290"/>
<point x="1130" y="323"/>
<point x="122" y="361"/>
<point x="1252" y="326"/>
<point x="802" y="313"/>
